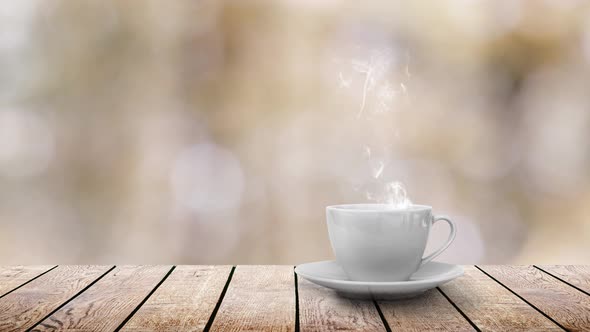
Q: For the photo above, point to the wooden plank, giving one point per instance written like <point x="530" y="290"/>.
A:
<point x="428" y="312"/>
<point x="320" y="309"/>
<point x="184" y="302"/>
<point x="491" y="307"/>
<point x="13" y="276"/>
<point x="566" y="305"/>
<point x="105" y="305"/>
<point x="27" y="305"/>
<point x="260" y="298"/>
<point x="577" y="275"/>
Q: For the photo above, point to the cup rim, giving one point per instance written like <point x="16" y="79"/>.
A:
<point x="376" y="207"/>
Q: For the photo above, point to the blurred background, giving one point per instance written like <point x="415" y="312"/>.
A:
<point x="217" y="131"/>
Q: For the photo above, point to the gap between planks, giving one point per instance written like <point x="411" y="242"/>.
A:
<point x="71" y="298"/>
<point x="459" y="310"/>
<point x="562" y="280"/>
<point x="145" y="299"/>
<point x="558" y="300"/>
<point x="138" y="307"/>
<point x="374" y="315"/>
<point x="522" y="298"/>
<point x="297" y="308"/>
<point x="297" y="326"/>
<point x="28" y="281"/>
<point x="383" y="320"/>
<point x="221" y="296"/>
<point x="258" y="298"/>
<point x="23" y="307"/>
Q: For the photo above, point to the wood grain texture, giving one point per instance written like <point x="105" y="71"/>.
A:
<point x="577" y="275"/>
<point x="105" y="305"/>
<point x="428" y="312"/>
<point x="27" y="305"/>
<point x="565" y="304"/>
<point x="492" y="307"/>
<point x="259" y="298"/>
<point x="14" y="276"/>
<point x="320" y="309"/>
<point x="184" y="302"/>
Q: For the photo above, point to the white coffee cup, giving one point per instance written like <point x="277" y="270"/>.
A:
<point x="375" y="242"/>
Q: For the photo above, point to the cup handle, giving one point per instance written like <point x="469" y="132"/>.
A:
<point x="449" y="240"/>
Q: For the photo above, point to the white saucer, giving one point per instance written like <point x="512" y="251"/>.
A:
<point x="329" y="274"/>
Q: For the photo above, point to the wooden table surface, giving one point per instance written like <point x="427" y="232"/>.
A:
<point x="227" y="298"/>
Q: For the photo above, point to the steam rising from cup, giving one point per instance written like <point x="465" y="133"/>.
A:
<point x="379" y="96"/>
